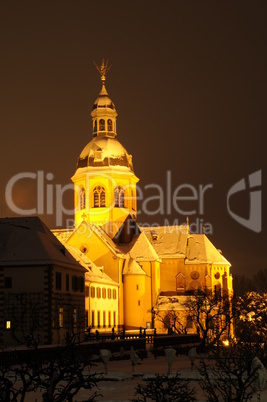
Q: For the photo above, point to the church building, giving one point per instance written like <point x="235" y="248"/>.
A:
<point x="129" y="268"/>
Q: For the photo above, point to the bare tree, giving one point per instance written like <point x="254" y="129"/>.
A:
<point x="163" y="388"/>
<point x="212" y="314"/>
<point x="171" y="320"/>
<point x="63" y="376"/>
<point x="16" y="382"/>
<point x="242" y="284"/>
<point x="260" y="281"/>
<point x="58" y="379"/>
<point x="227" y="375"/>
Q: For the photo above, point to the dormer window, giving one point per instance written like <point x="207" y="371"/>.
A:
<point x="99" y="197"/>
<point x="119" y="197"/>
<point x="101" y="125"/>
<point x="109" y="125"/>
<point x="98" y="155"/>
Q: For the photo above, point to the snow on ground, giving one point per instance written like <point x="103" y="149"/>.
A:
<point x="120" y="381"/>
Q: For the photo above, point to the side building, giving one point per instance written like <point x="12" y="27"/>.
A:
<point x="42" y="288"/>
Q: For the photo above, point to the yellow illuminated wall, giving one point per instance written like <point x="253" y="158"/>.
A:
<point x="108" y="181"/>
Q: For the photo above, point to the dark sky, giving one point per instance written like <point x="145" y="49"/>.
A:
<point x="188" y="80"/>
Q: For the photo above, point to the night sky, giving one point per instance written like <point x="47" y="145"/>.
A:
<point x="188" y="80"/>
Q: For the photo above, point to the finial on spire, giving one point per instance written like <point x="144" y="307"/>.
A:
<point x="103" y="69"/>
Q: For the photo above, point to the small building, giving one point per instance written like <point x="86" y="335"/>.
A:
<point x="101" y="295"/>
<point x="41" y="285"/>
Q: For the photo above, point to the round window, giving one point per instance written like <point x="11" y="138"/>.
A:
<point x="194" y="275"/>
<point x="217" y="275"/>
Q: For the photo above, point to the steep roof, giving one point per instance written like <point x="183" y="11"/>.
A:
<point x="140" y="249"/>
<point x="201" y="250"/>
<point x="87" y="227"/>
<point x="131" y="267"/>
<point x="93" y="273"/>
<point x="177" y="242"/>
<point x="168" y="241"/>
<point x="28" y="241"/>
<point x="62" y="234"/>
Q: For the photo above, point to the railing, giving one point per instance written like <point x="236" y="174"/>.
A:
<point x="94" y="342"/>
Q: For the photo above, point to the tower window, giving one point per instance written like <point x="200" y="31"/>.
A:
<point x="95" y="127"/>
<point x="119" y="197"/>
<point x="109" y="125"/>
<point x="99" y="197"/>
<point x="101" y="125"/>
<point x="82" y="198"/>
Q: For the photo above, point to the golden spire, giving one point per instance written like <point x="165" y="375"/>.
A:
<point x="103" y="69"/>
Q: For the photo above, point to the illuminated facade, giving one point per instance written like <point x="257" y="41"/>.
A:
<point x="142" y="264"/>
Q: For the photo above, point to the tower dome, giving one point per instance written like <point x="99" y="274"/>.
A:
<point x="104" y="180"/>
<point x="105" y="151"/>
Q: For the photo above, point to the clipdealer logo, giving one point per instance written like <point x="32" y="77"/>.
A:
<point x="50" y="197"/>
<point x="254" y="222"/>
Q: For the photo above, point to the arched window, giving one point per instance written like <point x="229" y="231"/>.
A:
<point x="99" y="197"/>
<point x="82" y="198"/>
<point x="109" y="125"/>
<point x="119" y="197"/>
<point x="101" y="125"/>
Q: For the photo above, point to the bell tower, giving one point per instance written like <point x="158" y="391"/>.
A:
<point x="104" y="181"/>
<point x="104" y="113"/>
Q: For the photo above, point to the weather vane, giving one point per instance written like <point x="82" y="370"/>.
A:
<point x="103" y="69"/>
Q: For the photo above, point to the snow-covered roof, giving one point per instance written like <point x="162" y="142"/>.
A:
<point x="171" y="303"/>
<point x="168" y="241"/>
<point x="62" y="234"/>
<point x="104" y="151"/>
<point x="28" y="241"/>
<point x="177" y="242"/>
<point x="85" y="227"/>
<point x="93" y="273"/>
<point x="201" y="250"/>
<point x="140" y="249"/>
<point x="131" y="267"/>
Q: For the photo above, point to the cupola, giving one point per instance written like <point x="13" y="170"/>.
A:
<point x="104" y="113"/>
